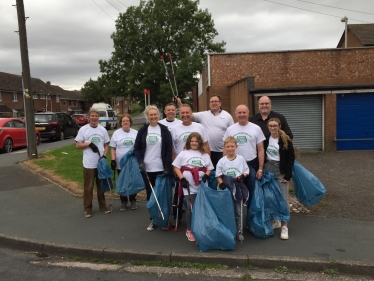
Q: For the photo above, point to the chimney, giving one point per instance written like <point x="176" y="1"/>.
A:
<point x="49" y="83"/>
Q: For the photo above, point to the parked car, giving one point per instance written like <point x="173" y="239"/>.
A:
<point x="55" y="125"/>
<point x="80" y="119"/>
<point x="13" y="134"/>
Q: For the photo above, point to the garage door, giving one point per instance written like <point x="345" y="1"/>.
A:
<point x="355" y="121"/>
<point x="304" y="116"/>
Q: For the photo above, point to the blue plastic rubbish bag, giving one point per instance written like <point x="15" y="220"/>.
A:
<point x="129" y="181"/>
<point x="212" y="180"/>
<point x="308" y="189"/>
<point x="213" y="220"/>
<point x="267" y="203"/>
<point x="163" y="190"/>
<point x="104" y="173"/>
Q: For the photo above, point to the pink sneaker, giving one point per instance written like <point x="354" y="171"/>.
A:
<point x="190" y="236"/>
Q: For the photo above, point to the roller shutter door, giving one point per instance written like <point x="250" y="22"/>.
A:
<point x="304" y="116"/>
<point x="355" y="121"/>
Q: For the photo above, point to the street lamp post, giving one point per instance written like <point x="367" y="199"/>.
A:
<point x="345" y="19"/>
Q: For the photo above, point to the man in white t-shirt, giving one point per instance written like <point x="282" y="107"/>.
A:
<point x="170" y="121"/>
<point x="215" y="122"/>
<point x="93" y="139"/>
<point x="179" y="135"/>
<point x="249" y="138"/>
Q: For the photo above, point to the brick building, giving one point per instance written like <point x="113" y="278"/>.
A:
<point x="46" y="97"/>
<point x="327" y="95"/>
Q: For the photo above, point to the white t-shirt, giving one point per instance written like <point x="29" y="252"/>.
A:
<point x="152" y="156"/>
<point x="272" y="152"/>
<point x="215" y="126"/>
<point x="247" y="137"/>
<point x="171" y="124"/>
<point x="180" y="134"/>
<point x="192" y="158"/>
<point x="98" y="136"/>
<point x="122" y="142"/>
<point x="232" y="168"/>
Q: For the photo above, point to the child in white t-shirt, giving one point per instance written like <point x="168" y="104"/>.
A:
<point x="191" y="166"/>
<point x="235" y="166"/>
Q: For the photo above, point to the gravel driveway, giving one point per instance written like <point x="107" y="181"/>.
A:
<point x="349" y="180"/>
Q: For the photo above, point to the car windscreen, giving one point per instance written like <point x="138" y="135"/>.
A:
<point x="43" y="118"/>
<point x="102" y="113"/>
<point x="77" y="116"/>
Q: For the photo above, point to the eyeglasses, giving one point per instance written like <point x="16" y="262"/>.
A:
<point x="273" y="126"/>
<point x="214" y="101"/>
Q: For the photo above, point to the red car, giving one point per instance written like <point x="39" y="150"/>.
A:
<point x="13" y="134"/>
<point x="80" y="119"/>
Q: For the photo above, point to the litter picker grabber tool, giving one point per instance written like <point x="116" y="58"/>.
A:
<point x="154" y="194"/>
<point x="241" y="206"/>
<point x="111" y="196"/>
<point x="189" y="194"/>
<point x="172" y="75"/>
<point x="177" y="190"/>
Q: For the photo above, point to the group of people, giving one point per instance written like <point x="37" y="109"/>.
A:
<point x="190" y="151"/>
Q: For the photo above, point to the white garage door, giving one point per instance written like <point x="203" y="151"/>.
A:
<point x="304" y="116"/>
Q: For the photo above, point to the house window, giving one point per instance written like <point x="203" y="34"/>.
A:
<point x="35" y="96"/>
<point x="15" y="97"/>
<point x="57" y="98"/>
<point x="125" y="101"/>
<point x="64" y="102"/>
<point x="42" y="96"/>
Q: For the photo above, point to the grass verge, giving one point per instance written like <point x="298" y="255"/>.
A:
<point x="201" y="266"/>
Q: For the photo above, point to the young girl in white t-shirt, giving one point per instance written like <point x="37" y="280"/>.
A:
<point x="191" y="166"/>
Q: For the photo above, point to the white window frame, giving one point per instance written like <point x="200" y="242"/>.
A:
<point x="15" y="97"/>
<point x="64" y="102"/>
<point x="34" y="96"/>
<point x="57" y="99"/>
<point x="42" y="96"/>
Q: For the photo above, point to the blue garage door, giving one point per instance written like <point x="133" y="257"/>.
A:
<point x="355" y="121"/>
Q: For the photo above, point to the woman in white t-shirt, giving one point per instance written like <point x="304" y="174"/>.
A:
<point x="153" y="151"/>
<point x="280" y="158"/>
<point x="121" y="142"/>
<point x="191" y="166"/>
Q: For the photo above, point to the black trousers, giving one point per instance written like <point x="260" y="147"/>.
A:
<point x="215" y="156"/>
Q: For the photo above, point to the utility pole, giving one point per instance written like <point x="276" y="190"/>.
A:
<point x="26" y="77"/>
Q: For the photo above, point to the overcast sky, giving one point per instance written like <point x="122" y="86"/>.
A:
<point x="67" y="38"/>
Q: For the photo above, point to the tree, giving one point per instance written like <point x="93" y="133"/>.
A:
<point x="156" y="27"/>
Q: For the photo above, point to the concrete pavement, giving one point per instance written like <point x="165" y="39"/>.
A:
<point x="38" y="215"/>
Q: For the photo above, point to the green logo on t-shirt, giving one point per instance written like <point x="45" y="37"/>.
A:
<point x="185" y="137"/>
<point x="241" y="139"/>
<point x="128" y="143"/>
<point x="95" y="140"/>
<point x="152" y="139"/>
<point x="196" y="163"/>
<point x="231" y="174"/>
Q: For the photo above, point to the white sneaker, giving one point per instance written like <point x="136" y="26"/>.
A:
<point x="276" y="224"/>
<point x="284" y="233"/>
<point x="151" y="226"/>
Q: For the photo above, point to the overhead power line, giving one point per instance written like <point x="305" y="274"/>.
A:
<point x="335" y="7"/>
<point x="313" y="11"/>
<point x="103" y="10"/>
<point x="115" y="6"/>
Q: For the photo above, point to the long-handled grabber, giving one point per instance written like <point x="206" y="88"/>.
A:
<point x="189" y="195"/>
<point x="241" y="207"/>
<point x="167" y="74"/>
<point x="111" y="195"/>
<point x="154" y="194"/>
<point x="173" y="74"/>
<point x="177" y="190"/>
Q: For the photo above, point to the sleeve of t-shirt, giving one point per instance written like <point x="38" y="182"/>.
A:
<point x="226" y="135"/>
<point x="106" y="137"/>
<point x="261" y="136"/>
<point x="178" y="161"/>
<point x="219" y="168"/>
<point x="245" y="167"/>
<point x="209" y="166"/>
<point x="205" y="135"/>
<point x="197" y="116"/>
<point x="79" y="137"/>
<point x="231" y="121"/>
<point x="112" y="143"/>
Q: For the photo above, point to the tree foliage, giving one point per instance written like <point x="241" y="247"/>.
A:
<point x="156" y="27"/>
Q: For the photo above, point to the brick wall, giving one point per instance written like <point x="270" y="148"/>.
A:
<point x="329" y="122"/>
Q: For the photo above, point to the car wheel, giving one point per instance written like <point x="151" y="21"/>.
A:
<point x="8" y="145"/>
<point x="38" y="139"/>
<point x="61" y="136"/>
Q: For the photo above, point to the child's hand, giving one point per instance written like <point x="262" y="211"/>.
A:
<point x="205" y="177"/>
<point x="184" y="183"/>
<point x="222" y="186"/>
<point x="241" y="178"/>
